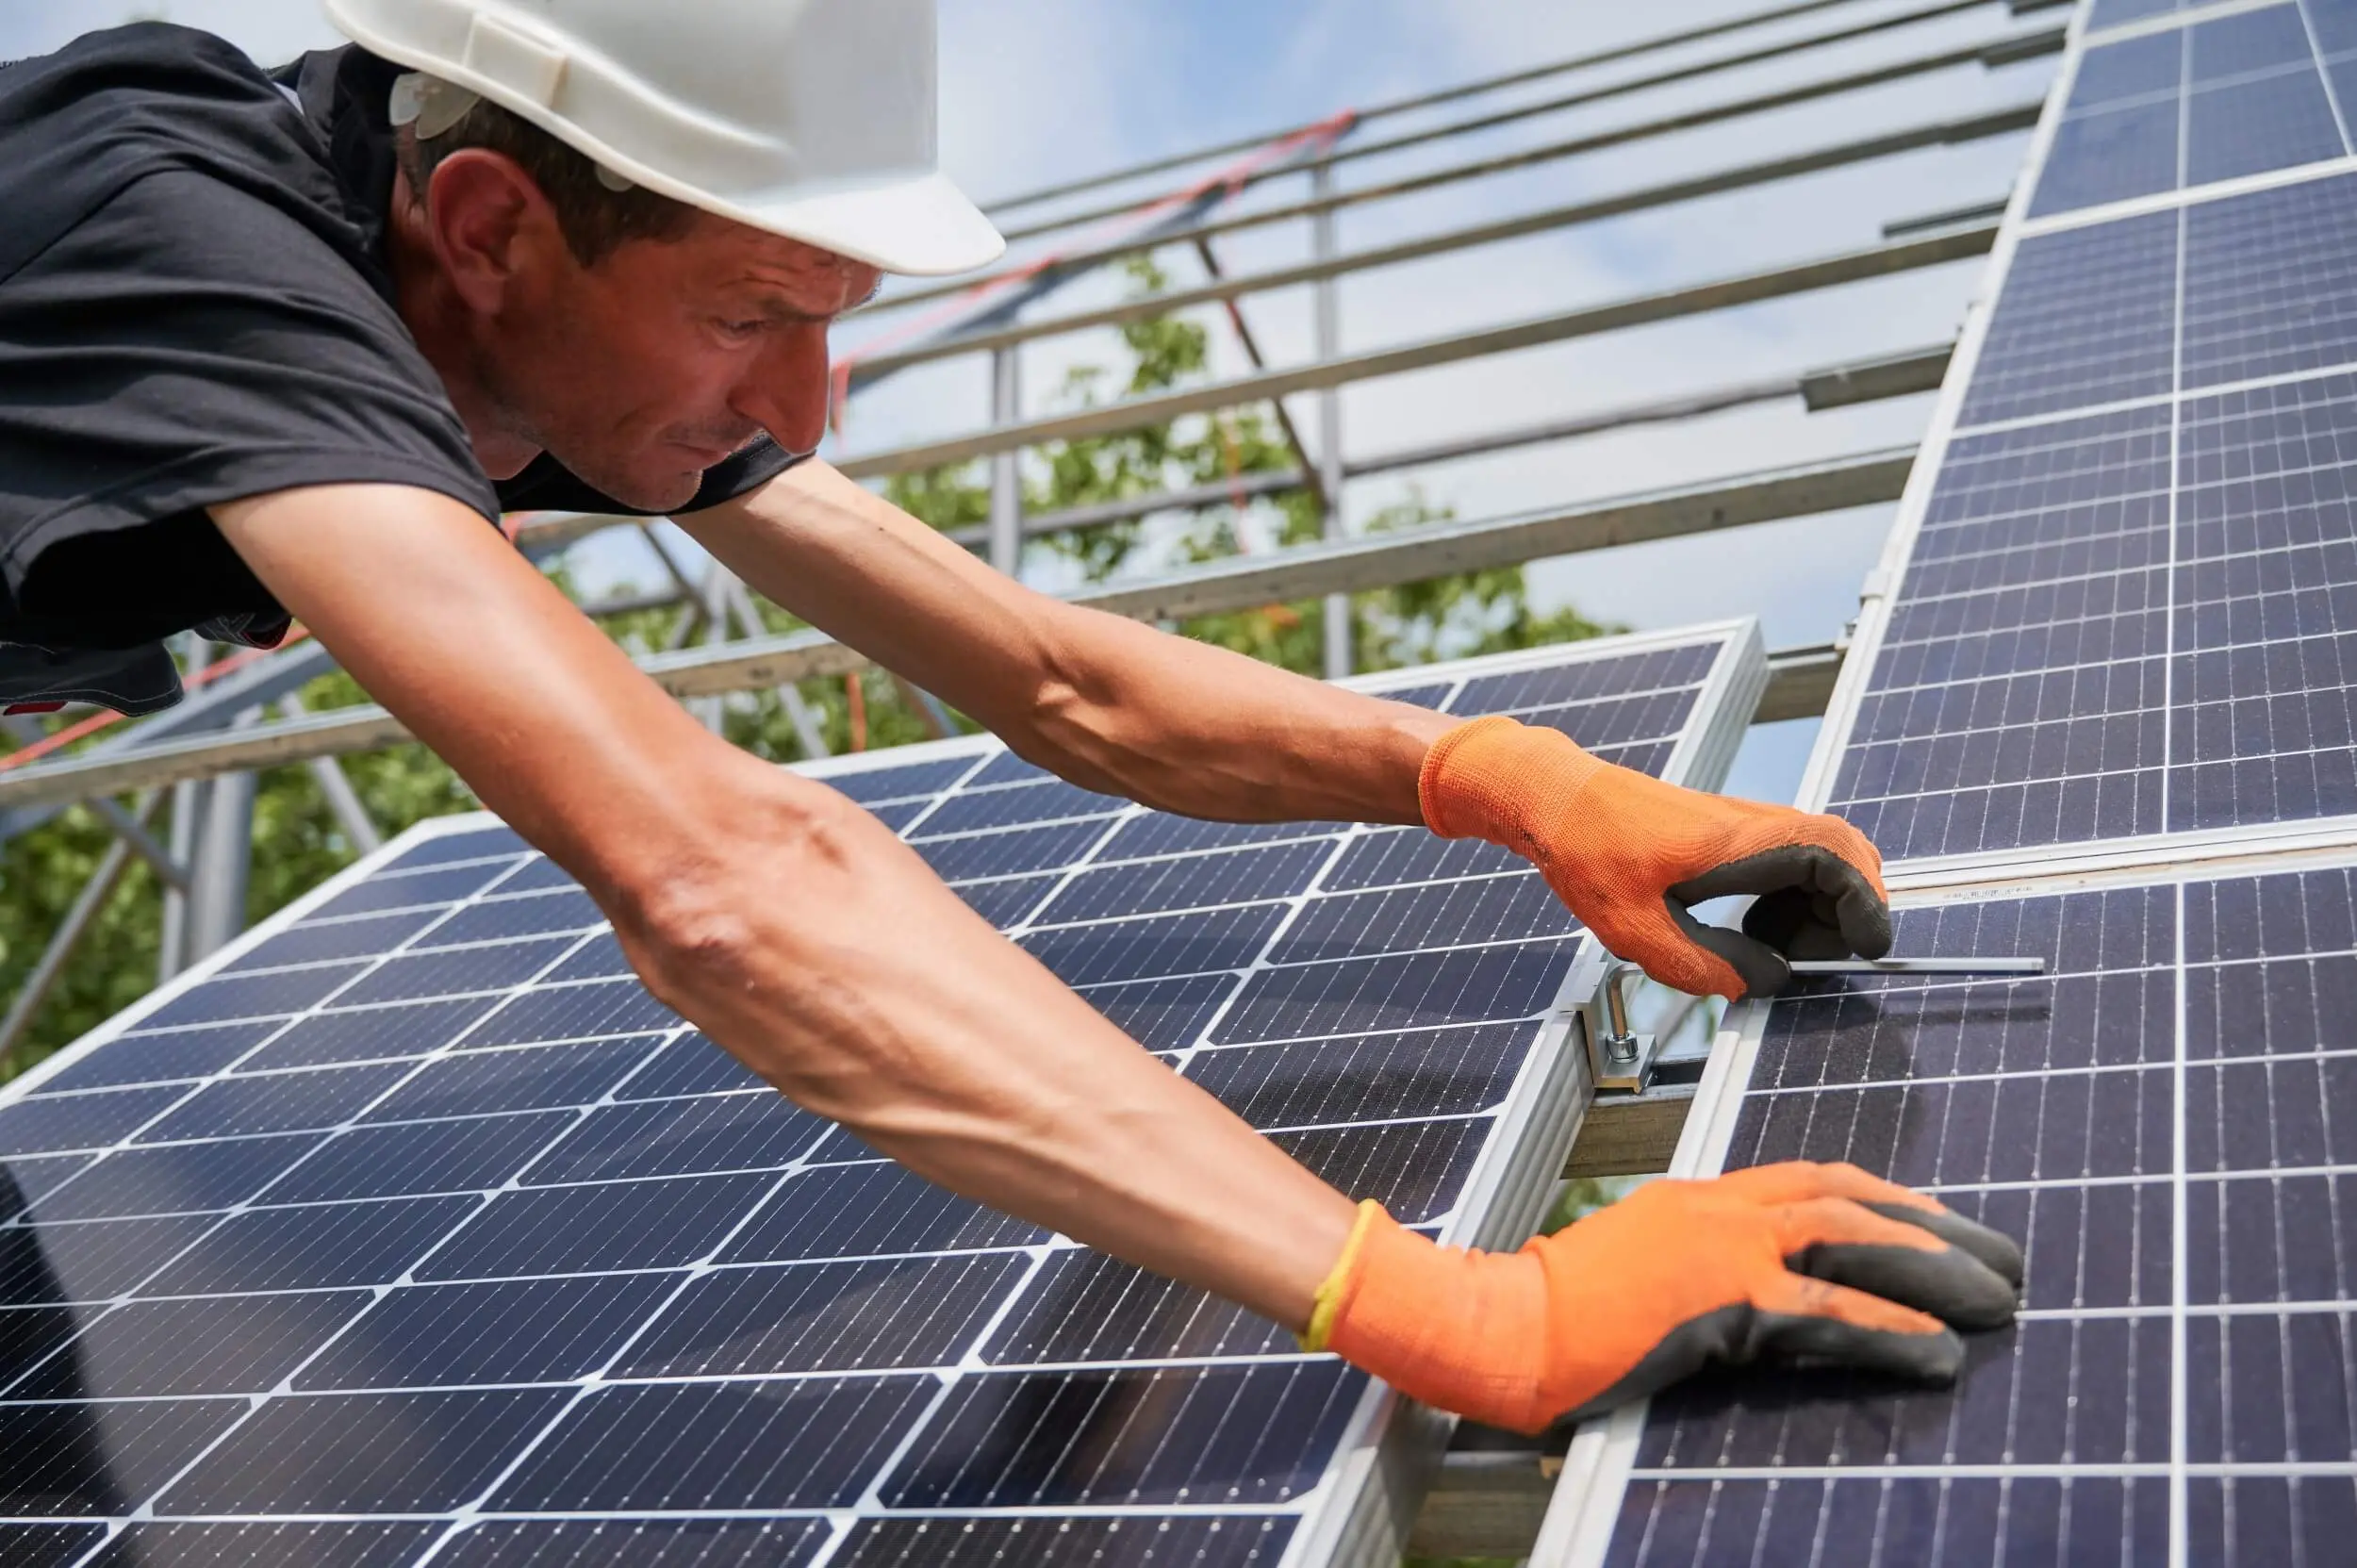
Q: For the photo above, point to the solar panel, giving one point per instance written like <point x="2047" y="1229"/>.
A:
<point x="411" y="1226"/>
<point x="2169" y="1121"/>
<point x="2098" y="710"/>
<point x="2214" y="99"/>
<point x="2120" y="611"/>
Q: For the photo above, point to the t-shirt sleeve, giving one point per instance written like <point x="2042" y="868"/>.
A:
<point x="189" y="342"/>
<point x="546" y="486"/>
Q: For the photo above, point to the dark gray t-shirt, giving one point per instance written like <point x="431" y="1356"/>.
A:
<point x="194" y="308"/>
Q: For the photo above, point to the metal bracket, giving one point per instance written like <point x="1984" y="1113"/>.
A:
<point x="1619" y="1058"/>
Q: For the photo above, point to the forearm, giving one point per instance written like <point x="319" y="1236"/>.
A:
<point x="1105" y="701"/>
<point x="871" y="995"/>
<point x="788" y="923"/>
<point x="1186" y="727"/>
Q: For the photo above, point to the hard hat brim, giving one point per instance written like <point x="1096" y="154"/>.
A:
<point x="923" y="226"/>
<point x="917" y="223"/>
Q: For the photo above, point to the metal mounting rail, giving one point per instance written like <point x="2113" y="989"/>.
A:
<point x="1840" y="386"/>
<point x="1939" y="12"/>
<point x="2020" y="117"/>
<point x="1655" y="44"/>
<point x="1241" y="583"/>
<point x="1669" y="304"/>
<point x="2006" y="50"/>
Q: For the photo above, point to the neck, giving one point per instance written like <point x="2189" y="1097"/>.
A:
<point x="442" y="325"/>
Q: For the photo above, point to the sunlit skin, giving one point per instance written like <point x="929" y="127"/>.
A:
<point x="637" y="373"/>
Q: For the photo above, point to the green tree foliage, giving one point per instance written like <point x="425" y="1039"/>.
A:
<point x="1453" y="616"/>
<point x="297" y="842"/>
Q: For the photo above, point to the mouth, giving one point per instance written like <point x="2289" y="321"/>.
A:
<point x="704" y="456"/>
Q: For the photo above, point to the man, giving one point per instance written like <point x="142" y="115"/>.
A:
<point x="274" y="346"/>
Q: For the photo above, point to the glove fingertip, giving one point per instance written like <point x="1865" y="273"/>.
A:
<point x="1995" y="1251"/>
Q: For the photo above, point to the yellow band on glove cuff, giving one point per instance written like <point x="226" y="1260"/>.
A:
<point x="1328" y="1301"/>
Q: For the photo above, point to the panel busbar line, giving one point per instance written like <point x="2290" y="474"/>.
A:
<point x="410" y="1227"/>
<point x="2169" y="1121"/>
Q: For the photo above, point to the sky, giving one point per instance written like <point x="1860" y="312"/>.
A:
<point x="1038" y="90"/>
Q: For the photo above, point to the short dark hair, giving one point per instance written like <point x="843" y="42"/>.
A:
<point x="594" y="217"/>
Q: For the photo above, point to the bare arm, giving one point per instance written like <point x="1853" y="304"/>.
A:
<point x="1103" y="700"/>
<point x="786" y="923"/>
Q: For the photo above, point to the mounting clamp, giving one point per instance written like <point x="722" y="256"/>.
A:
<point x="1618" y="1056"/>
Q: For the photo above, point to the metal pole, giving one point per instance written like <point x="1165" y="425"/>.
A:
<point x="1140" y="413"/>
<point x="808" y="732"/>
<point x="1423" y="100"/>
<point x="1225" y="288"/>
<point x="187" y="811"/>
<point x="1006" y="479"/>
<point x="1552" y="106"/>
<point x="1251" y="346"/>
<point x="1326" y="343"/>
<point x="343" y="801"/>
<point x="225" y="858"/>
<point x="79" y="918"/>
<point x="2047" y="42"/>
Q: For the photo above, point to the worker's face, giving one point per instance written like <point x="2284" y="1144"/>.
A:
<point x="643" y="369"/>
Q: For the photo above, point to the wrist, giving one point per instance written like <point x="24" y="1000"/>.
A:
<point x="1461" y="1330"/>
<point x="1493" y="778"/>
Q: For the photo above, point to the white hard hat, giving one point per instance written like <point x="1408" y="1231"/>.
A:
<point x="813" y="119"/>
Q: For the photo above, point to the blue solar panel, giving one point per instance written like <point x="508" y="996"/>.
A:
<point x="2216" y="99"/>
<point x="2164" y="1120"/>
<point x="2117" y="622"/>
<point x="2128" y="621"/>
<point x="416" y="1227"/>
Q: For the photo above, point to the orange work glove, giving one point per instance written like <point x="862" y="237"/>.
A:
<point x="1629" y="853"/>
<point x="1822" y="1263"/>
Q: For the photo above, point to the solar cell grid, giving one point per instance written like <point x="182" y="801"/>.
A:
<point x="2156" y="1121"/>
<point x="421" y="1207"/>
<point x="2242" y="94"/>
<point x="2128" y="622"/>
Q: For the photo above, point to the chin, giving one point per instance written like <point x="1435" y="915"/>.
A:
<point x="650" y="490"/>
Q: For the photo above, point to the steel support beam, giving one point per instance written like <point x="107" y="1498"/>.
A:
<point x="79" y="916"/>
<point x="224" y="864"/>
<point x="1437" y="549"/>
<point x="1695" y="71"/>
<point x="1250" y="343"/>
<point x="1979" y="212"/>
<point x="1326" y="343"/>
<point x="1800" y="682"/>
<point x="2023" y="46"/>
<point x="343" y="801"/>
<point x="1895" y="375"/>
<point x="1669" y="304"/>
<point x="1428" y="100"/>
<point x="1224" y="289"/>
<point x="1006" y="476"/>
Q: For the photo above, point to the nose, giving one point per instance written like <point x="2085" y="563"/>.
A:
<point x="785" y="388"/>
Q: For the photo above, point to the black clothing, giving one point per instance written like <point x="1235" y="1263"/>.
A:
<point x="194" y="306"/>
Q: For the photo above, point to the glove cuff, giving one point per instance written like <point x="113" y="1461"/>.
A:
<point x="1459" y="1329"/>
<point x="1488" y="777"/>
<point x="1336" y="1287"/>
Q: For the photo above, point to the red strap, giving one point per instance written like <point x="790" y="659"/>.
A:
<point x="15" y="708"/>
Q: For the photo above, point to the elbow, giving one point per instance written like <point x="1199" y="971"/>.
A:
<point x="702" y="923"/>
